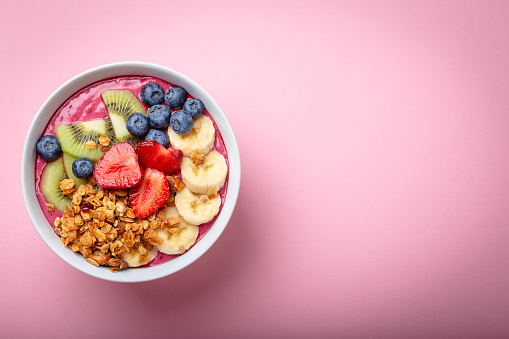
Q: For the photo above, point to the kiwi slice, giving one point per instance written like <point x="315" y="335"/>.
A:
<point x="121" y="103"/>
<point x="51" y="175"/>
<point x="68" y="160"/>
<point x="72" y="137"/>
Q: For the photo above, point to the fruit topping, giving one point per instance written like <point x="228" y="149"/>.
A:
<point x="159" y="136"/>
<point x="175" y="97"/>
<point x="49" y="148"/>
<point x="197" y="209"/>
<point x="181" y="122"/>
<point x="152" y="94"/>
<point x="150" y="194"/>
<point x="68" y="161"/>
<point x="118" y="168"/>
<point x="137" y="124"/>
<point x="121" y="103"/>
<point x="52" y="174"/>
<point x="152" y="154"/>
<point x="180" y="237"/>
<point x="194" y="108"/>
<point x="80" y="139"/>
<point x="200" y="139"/>
<point x="83" y="168"/>
<point x="159" y="116"/>
<point x="135" y="258"/>
<point x="209" y="172"/>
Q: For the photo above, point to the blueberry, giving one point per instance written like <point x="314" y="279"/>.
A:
<point x="137" y="124"/>
<point x="83" y="168"/>
<point x="49" y="148"/>
<point x="181" y="122"/>
<point x="158" y="116"/>
<point x="194" y="107"/>
<point x="152" y="94"/>
<point x="159" y="136"/>
<point x="175" y="97"/>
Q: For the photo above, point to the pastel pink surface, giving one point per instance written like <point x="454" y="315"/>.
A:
<point x="374" y="146"/>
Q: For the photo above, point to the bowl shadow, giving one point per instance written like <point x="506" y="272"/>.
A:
<point x="217" y="269"/>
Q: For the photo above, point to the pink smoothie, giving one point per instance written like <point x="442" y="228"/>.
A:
<point x="87" y="104"/>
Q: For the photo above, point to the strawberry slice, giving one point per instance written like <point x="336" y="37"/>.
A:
<point x="152" y="154"/>
<point x="118" y="168"/>
<point x="150" y="194"/>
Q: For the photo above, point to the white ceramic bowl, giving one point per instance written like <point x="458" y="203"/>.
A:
<point x="28" y="169"/>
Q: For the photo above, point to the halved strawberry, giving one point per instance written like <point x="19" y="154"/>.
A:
<point x="118" y="168"/>
<point x="150" y="194"/>
<point x="152" y="155"/>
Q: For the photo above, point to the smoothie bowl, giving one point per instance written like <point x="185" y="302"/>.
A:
<point x="130" y="172"/>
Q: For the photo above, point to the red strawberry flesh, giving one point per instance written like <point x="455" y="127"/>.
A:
<point x="150" y="194"/>
<point x="118" y="168"/>
<point x="152" y="154"/>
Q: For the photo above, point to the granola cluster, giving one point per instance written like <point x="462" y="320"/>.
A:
<point x="197" y="158"/>
<point x="102" y="226"/>
<point x="104" y="144"/>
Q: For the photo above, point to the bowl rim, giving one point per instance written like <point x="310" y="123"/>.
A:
<point x="42" y="117"/>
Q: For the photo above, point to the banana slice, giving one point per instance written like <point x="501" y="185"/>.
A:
<point x="180" y="241"/>
<point x="196" y="209"/>
<point x="211" y="173"/>
<point x="200" y="139"/>
<point x="133" y="259"/>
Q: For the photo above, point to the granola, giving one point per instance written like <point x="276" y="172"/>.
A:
<point x="197" y="158"/>
<point x="104" y="140"/>
<point x="176" y="184"/>
<point x="91" y="144"/>
<point x="101" y="225"/>
<point x="67" y="186"/>
<point x="103" y="148"/>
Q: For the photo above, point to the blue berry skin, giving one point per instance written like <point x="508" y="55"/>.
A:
<point x="159" y="116"/>
<point x="83" y="168"/>
<point x="152" y="94"/>
<point x="159" y="136"/>
<point x="194" y="107"/>
<point x="175" y="97"/>
<point x="137" y="124"/>
<point x="181" y="122"/>
<point x="48" y="148"/>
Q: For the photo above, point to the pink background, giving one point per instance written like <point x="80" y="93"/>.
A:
<point x="375" y="156"/>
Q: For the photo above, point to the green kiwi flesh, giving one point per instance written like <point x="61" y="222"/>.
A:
<point x="121" y="103"/>
<point x="52" y="173"/>
<point x="72" y="137"/>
